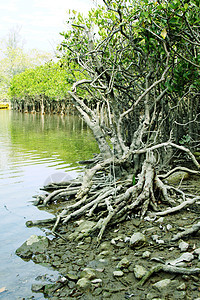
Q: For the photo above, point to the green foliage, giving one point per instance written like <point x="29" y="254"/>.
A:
<point x="186" y="139"/>
<point x="50" y="80"/>
<point x="128" y="45"/>
<point x="133" y="180"/>
<point x="14" y="60"/>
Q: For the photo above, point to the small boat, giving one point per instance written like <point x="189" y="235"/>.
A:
<point x="4" y="106"/>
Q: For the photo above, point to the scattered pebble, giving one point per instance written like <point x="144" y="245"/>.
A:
<point x="169" y="226"/>
<point x="139" y="271"/>
<point x="183" y="246"/>
<point x="118" y="273"/>
<point x="138" y="239"/>
<point x="146" y="254"/>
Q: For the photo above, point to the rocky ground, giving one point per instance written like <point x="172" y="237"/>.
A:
<point x="114" y="269"/>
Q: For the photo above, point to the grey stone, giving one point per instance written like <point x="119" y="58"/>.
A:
<point x="33" y="245"/>
<point x="139" y="271"/>
<point x="105" y="246"/>
<point x="146" y="254"/>
<point x="181" y="287"/>
<point x="177" y="177"/>
<point x="123" y="263"/>
<point x="84" y="227"/>
<point x="183" y="246"/>
<point x="37" y="287"/>
<point x="71" y="276"/>
<point x="155" y="237"/>
<point x="97" y="281"/>
<point x="118" y="273"/>
<point x="88" y="273"/>
<point x="162" y="284"/>
<point x="138" y="239"/>
<point x="103" y="254"/>
<point x="197" y="251"/>
<point x="116" y="241"/>
<point x="160" y="241"/>
<point x="169" y="226"/>
<point x="84" y="284"/>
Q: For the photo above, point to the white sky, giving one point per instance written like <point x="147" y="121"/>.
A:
<point x="40" y="20"/>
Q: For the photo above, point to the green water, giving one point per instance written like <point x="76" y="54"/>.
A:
<point x="32" y="148"/>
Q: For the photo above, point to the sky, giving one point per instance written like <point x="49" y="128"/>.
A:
<point x="39" y="21"/>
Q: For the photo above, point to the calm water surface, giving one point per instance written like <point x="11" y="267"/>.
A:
<point x="32" y="148"/>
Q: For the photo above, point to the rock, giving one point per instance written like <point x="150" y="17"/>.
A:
<point x="146" y="254"/>
<point x="118" y="273"/>
<point x="71" y="277"/>
<point x="138" y="239"/>
<point x="136" y="222"/>
<point x="83" y="284"/>
<point x="154" y="237"/>
<point x="97" y="281"/>
<point x="181" y="287"/>
<point x="150" y="296"/>
<point x="84" y="227"/>
<point x="118" y="241"/>
<point x="139" y="271"/>
<point x="169" y="226"/>
<point x="160" y="241"/>
<point x="197" y="251"/>
<point x="105" y="246"/>
<point x="37" y="287"/>
<point x="177" y="177"/>
<point x="88" y="273"/>
<point x="124" y="263"/>
<point x="103" y="253"/>
<point x="127" y="239"/>
<point x="50" y="288"/>
<point x="183" y="246"/>
<point x="34" y="245"/>
<point x="162" y="284"/>
<point x="160" y="220"/>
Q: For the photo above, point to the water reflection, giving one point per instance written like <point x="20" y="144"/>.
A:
<point x="32" y="148"/>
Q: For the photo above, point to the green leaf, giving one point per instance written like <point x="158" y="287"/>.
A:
<point x="133" y="180"/>
<point x="164" y="33"/>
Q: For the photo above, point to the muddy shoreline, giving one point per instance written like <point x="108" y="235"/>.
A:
<point x="113" y="269"/>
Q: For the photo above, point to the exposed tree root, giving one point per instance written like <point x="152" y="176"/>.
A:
<point x="108" y="199"/>
<point x="168" y="269"/>
<point x="186" y="232"/>
<point x="178" y="207"/>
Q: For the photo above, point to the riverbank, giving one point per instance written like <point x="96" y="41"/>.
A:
<point x="114" y="269"/>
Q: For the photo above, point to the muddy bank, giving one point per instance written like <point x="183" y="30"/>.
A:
<point x="114" y="269"/>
